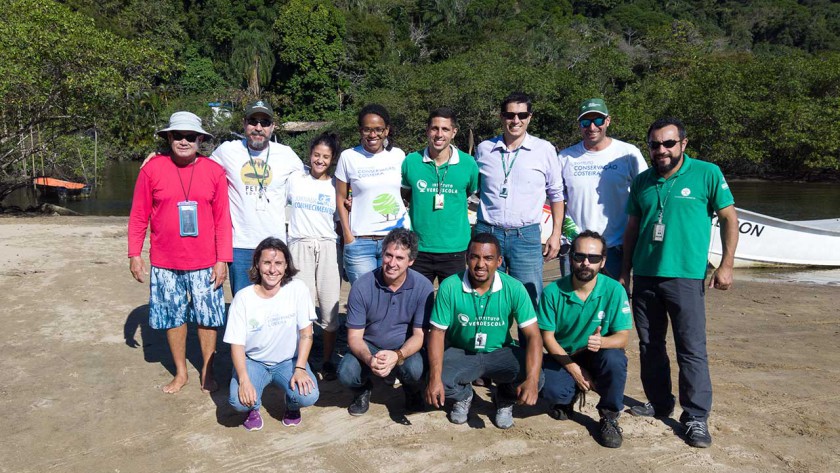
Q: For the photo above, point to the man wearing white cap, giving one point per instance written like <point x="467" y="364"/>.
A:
<point x="257" y="171"/>
<point x="597" y="173"/>
<point x="183" y="196"/>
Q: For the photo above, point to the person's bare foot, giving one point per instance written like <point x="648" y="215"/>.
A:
<point x="208" y="381"/>
<point x="178" y="382"/>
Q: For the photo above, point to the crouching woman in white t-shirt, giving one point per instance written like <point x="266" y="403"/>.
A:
<point x="269" y="330"/>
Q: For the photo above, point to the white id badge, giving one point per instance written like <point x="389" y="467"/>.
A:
<point x="658" y="231"/>
<point x="480" y="341"/>
<point x="188" y="218"/>
<point x="438" y="201"/>
<point x="262" y="201"/>
<point x="503" y="193"/>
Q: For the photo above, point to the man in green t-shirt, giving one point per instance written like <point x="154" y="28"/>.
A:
<point x="666" y="245"/>
<point x="585" y="322"/>
<point x="475" y="310"/>
<point x="437" y="182"/>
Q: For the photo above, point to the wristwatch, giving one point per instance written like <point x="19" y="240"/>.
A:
<point x="400" y="358"/>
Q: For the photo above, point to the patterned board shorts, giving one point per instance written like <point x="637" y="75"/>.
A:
<point x="178" y="296"/>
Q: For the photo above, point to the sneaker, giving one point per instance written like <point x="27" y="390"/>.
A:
<point x="328" y="371"/>
<point x="461" y="410"/>
<point x="253" y="421"/>
<point x="361" y="403"/>
<point x="648" y="410"/>
<point x="562" y="411"/>
<point x="291" y="418"/>
<point x="697" y="433"/>
<point x="610" y="431"/>
<point x="413" y="400"/>
<point x="504" y="413"/>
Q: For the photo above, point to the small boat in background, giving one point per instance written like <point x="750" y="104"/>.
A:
<point x="769" y="241"/>
<point x="52" y="187"/>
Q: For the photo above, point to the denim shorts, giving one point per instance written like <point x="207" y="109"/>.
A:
<point x="178" y="296"/>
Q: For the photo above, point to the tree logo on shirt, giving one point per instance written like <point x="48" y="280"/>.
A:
<point x="464" y="319"/>
<point x="685" y="192"/>
<point x="253" y="324"/>
<point x="421" y="185"/>
<point x="386" y="205"/>
<point x="601" y="315"/>
<point x="251" y="175"/>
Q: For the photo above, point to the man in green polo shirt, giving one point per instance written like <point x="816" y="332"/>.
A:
<point x="475" y="310"/>
<point x="585" y="322"/>
<point x="437" y="182"/>
<point x="666" y="245"/>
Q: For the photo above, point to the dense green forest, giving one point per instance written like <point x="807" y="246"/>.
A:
<point x="757" y="82"/>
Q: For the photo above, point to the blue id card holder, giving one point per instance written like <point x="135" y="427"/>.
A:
<point x="188" y="218"/>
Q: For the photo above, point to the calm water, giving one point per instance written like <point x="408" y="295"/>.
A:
<point x="785" y="200"/>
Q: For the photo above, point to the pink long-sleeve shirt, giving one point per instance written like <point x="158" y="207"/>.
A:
<point x="156" y="195"/>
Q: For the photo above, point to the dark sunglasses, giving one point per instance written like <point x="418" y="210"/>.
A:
<point x="191" y="137"/>
<point x="512" y="115"/>
<point x="265" y="123"/>
<point x="584" y="123"/>
<point x="667" y="143"/>
<point x="593" y="259"/>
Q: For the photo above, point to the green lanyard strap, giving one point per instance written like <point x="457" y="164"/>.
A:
<point x="667" y="194"/>
<point x="508" y="167"/>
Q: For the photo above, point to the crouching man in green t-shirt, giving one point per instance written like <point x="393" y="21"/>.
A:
<point x="585" y="322"/>
<point x="474" y="310"/>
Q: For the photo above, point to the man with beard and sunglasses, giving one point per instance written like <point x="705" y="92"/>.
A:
<point x="585" y="322"/>
<point x="257" y="171"/>
<point x="666" y="245"/>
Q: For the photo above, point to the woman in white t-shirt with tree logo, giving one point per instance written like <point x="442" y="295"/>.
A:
<point x="373" y="171"/>
<point x="313" y="239"/>
<point x="269" y="330"/>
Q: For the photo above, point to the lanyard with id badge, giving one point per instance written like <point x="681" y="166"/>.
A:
<point x="440" y="181"/>
<point x="480" y="337"/>
<point x="507" y="168"/>
<point x="188" y="209"/>
<point x="262" y="194"/>
<point x="659" y="227"/>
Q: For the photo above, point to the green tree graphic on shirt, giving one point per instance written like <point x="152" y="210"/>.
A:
<point x="386" y="205"/>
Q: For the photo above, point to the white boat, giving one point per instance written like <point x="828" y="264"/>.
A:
<point x="769" y="241"/>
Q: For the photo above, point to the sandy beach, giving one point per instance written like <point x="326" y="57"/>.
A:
<point x="82" y="373"/>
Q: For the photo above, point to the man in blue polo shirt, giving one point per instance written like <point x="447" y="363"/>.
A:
<point x="585" y="322"/>
<point x="387" y="310"/>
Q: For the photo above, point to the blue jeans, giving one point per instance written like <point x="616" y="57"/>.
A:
<point x="242" y="259"/>
<point x="608" y="369"/>
<point x="355" y="374"/>
<point x="612" y="269"/>
<point x="505" y="366"/>
<point x="654" y="300"/>
<point x="280" y="375"/>
<point x="521" y="255"/>
<point x="362" y="256"/>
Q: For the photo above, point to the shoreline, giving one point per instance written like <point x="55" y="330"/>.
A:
<point x="82" y="390"/>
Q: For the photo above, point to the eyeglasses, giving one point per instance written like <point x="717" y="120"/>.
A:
<point x="265" y="123"/>
<point x="512" y="115"/>
<point x="367" y="130"/>
<point x="667" y="143"/>
<point x="593" y="259"/>
<point x="191" y="137"/>
<point x="584" y="123"/>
